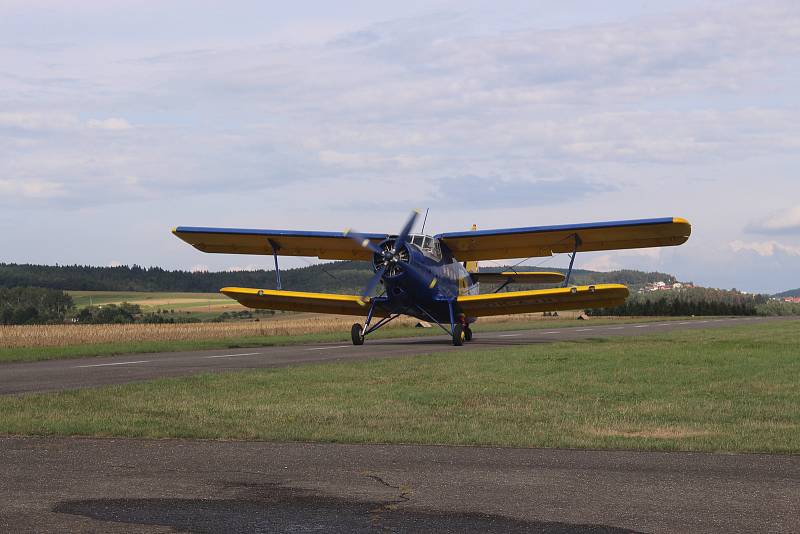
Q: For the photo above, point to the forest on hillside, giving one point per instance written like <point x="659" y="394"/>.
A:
<point x="337" y="277"/>
<point x="699" y="301"/>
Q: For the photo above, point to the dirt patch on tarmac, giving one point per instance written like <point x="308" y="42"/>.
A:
<point x="272" y="508"/>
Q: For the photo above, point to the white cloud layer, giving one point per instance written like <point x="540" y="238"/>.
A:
<point x="321" y="118"/>
<point x="786" y="221"/>
<point x="765" y="248"/>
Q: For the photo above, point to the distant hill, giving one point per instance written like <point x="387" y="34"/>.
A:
<point x="790" y="293"/>
<point x="338" y="277"/>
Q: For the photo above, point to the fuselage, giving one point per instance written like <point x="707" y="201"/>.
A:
<point x="425" y="280"/>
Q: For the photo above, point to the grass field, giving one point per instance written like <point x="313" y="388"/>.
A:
<point x="723" y="389"/>
<point x="47" y="342"/>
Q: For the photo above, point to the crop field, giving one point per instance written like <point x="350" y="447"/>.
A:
<point x="64" y="335"/>
<point x="43" y="342"/>
<point x="725" y="389"/>
<point x="154" y="301"/>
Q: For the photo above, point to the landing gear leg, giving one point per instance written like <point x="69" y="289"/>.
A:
<point x="467" y="334"/>
<point x="357" y="332"/>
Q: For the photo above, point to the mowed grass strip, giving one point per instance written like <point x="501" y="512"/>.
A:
<point x="726" y="389"/>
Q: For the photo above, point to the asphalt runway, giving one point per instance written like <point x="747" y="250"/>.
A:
<point x="127" y="485"/>
<point x="57" y="375"/>
<point x="136" y="485"/>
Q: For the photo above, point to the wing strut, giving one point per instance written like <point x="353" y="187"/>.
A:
<point x="275" y="248"/>
<point x="572" y="257"/>
<point x="502" y="286"/>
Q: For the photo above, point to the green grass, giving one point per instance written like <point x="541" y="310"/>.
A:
<point x="29" y="354"/>
<point x="723" y="389"/>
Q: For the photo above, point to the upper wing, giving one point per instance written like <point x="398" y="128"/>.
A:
<point x="519" y="278"/>
<point x="324" y="245"/>
<point x="562" y="298"/>
<point x="300" y="301"/>
<point x="545" y="240"/>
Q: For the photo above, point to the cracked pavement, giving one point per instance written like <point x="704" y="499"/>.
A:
<point x="125" y="485"/>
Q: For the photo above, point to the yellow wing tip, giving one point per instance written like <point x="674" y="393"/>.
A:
<point x="174" y="230"/>
<point x="679" y="220"/>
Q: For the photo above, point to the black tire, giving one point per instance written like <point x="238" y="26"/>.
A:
<point x="458" y="335"/>
<point x="468" y="334"/>
<point x="355" y="334"/>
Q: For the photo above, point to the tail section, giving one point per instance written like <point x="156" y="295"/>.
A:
<point x="472" y="266"/>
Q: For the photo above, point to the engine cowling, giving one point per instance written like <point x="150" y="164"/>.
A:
<point x="393" y="262"/>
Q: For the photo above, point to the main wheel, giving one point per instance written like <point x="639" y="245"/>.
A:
<point x="355" y="333"/>
<point x="458" y="335"/>
<point x="468" y="334"/>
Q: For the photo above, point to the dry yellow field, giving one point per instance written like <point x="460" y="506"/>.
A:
<point x="78" y="334"/>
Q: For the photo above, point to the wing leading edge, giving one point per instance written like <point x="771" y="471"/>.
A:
<point x="323" y="245"/>
<point x="300" y="301"/>
<point x="538" y="241"/>
<point x="539" y="300"/>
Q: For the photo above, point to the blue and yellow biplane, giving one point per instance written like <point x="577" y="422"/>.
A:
<point x="435" y="277"/>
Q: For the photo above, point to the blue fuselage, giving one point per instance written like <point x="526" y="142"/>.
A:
<point x="426" y="283"/>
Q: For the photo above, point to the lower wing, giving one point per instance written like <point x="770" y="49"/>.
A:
<point x="539" y="300"/>
<point x="301" y="301"/>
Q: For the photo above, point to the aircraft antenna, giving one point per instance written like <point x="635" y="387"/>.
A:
<point x="425" y="220"/>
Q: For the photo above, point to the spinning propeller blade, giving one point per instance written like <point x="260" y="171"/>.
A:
<point x="372" y="283"/>
<point x="362" y="240"/>
<point x="403" y="237"/>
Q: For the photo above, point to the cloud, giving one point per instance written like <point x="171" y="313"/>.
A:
<point x="113" y="123"/>
<point x="764" y="248"/>
<point x="32" y="189"/>
<point x="643" y="258"/>
<point x="371" y="161"/>
<point x="603" y="263"/>
<point x="515" y="117"/>
<point x="492" y="192"/>
<point x="783" y="222"/>
<point x="39" y="121"/>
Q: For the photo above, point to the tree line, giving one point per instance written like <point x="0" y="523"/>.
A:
<point x="41" y="305"/>
<point x="34" y="305"/>
<point x="697" y="301"/>
<point x="337" y="277"/>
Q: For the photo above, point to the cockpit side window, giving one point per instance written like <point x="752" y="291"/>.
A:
<point x="436" y="250"/>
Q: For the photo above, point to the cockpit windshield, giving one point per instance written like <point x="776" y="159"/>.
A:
<point x="426" y="244"/>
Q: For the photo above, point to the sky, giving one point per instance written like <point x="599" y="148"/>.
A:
<point x="120" y="119"/>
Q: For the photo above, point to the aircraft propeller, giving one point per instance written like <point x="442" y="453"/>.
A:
<point x="391" y="256"/>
